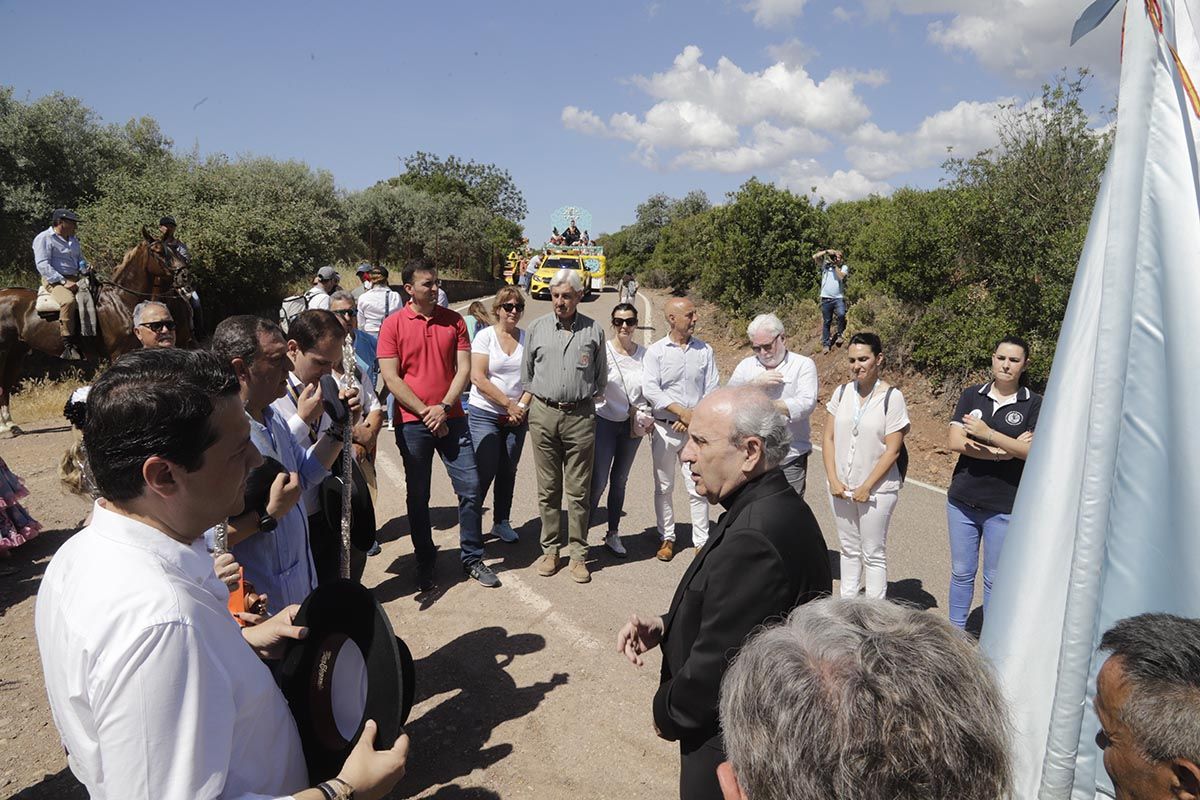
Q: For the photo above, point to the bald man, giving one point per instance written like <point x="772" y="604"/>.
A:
<point x="678" y="371"/>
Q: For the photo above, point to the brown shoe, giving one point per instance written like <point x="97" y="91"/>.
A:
<point x="547" y="565"/>
<point x="579" y="572"/>
<point x="666" y="551"/>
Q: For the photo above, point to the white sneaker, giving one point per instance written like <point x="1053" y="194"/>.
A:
<point x="391" y="426"/>
<point x="612" y="540"/>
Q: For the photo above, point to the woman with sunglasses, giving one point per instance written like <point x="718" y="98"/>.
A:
<point x="864" y="433"/>
<point x="153" y="325"/>
<point x="622" y="421"/>
<point x="498" y="405"/>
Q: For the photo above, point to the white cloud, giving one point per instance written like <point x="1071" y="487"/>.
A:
<point x="793" y="52"/>
<point x="963" y="130"/>
<point x="808" y="177"/>
<point x="772" y="12"/>
<point x="780" y="91"/>
<point x="841" y="14"/>
<point x="770" y="147"/>
<point x="1029" y="39"/>
<point x="574" y="119"/>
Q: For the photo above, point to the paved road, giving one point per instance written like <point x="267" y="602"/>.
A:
<point x="521" y="692"/>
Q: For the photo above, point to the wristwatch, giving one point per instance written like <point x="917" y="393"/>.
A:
<point x="445" y="406"/>
<point x="266" y="522"/>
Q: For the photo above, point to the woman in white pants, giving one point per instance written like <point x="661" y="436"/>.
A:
<point x="864" y="434"/>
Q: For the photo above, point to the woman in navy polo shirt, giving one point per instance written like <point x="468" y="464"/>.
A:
<point x="991" y="429"/>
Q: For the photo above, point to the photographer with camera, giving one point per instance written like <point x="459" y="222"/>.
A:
<point x="834" y="271"/>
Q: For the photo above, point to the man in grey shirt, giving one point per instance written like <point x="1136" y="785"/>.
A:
<point x="565" y="368"/>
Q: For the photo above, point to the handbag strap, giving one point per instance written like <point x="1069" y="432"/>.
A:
<point x="612" y="351"/>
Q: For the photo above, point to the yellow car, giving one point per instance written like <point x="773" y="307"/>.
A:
<point x="588" y="261"/>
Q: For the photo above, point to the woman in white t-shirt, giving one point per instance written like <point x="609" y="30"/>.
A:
<point x="622" y="421"/>
<point x="864" y="434"/>
<point x="497" y="405"/>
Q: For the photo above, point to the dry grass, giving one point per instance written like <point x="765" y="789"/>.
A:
<point x="42" y="399"/>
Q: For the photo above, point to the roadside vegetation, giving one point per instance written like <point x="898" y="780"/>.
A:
<point x="941" y="274"/>
<point x="255" y="226"/>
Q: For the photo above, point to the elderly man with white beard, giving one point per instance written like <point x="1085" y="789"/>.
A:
<point x="790" y="380"/>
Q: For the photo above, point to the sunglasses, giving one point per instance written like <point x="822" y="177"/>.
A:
<point x="511" y="307"/>
<point x="160" y="326"/>
<point x="347" y="312"/>
<point x="630" y="321"/>
<point x="765" y="348"/>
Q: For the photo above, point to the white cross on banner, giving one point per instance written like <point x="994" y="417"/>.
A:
<point x="1107" y="520"/>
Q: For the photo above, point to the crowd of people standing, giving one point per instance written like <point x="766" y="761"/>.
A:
<point x="258" y="424"/>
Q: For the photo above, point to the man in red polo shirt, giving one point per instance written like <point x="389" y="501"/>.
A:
<point x="425" y="359"/>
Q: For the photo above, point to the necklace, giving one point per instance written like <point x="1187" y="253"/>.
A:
<point x="862" y="405"/>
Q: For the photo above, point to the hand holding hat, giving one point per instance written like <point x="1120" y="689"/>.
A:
<point x="373" y="773"/>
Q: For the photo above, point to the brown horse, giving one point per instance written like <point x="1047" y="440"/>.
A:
<point x="149" y="271"/>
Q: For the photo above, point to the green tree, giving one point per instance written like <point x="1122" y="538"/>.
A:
<point x="54" y="152"/>
<point x="254" y="226"/>
<point x="486" y="184"/>
<point x="763" y="241"/>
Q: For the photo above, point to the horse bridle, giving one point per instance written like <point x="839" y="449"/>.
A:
<point x="170" y="273"/>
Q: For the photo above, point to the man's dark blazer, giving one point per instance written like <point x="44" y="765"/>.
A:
<point x="765" y="556"/>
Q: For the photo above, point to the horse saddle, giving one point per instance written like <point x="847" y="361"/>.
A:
<point x="45" y="305"/>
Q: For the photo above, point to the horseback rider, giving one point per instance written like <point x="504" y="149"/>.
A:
<point x="61" y="265"/>
<point x="166" y="227"/>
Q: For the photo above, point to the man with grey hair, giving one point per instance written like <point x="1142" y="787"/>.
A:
<point x="565" y="369"/>
<point x="766" y="555"/>
<point x="866" y="699"/>
<point x="790" y="380"/>
<point x="153" y="324"/>
<point x="1148" y="702"/>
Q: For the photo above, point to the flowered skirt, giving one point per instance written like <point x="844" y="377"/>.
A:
<point x="16" y="526"/>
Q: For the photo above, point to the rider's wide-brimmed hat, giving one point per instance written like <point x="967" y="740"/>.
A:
<point x="63" y="213"/>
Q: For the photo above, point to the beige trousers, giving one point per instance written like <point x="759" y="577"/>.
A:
<point x="564" y="445"/>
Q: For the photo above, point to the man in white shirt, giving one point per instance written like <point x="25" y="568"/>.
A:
<point x="154" y="689"/>
<point x="530" y="270"/>
<point x="324" y="284"/>
<point x="790" y="380"/>
<point x="677" y="372"/>
<point x="377" y="303"/>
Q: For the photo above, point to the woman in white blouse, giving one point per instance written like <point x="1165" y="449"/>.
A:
<point x="497" y="405"/>
<point x="864" y="434"/>
<point x="622" y="421"/>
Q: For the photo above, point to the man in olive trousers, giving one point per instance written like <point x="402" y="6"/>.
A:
<point x="565" y="368"/>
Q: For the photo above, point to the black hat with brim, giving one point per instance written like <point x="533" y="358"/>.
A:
<point x="362" y="510"/>
<point x="350" y="668"/>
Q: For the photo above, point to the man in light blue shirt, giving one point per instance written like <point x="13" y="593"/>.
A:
<point x="833" y="295"/>
<point x="271" y="542"/>
<point x="60" y="264"/>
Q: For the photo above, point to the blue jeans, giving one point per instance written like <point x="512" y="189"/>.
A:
<point x="615" y="451"/>
<point x="497" y="453"/>
<point x="832" y="307"/>
<point x="968" y="525"/>
<point x="417" y="446"/>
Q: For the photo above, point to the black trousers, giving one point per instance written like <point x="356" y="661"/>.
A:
<point x="326" y="545"/>
<point x="698" y="770"/>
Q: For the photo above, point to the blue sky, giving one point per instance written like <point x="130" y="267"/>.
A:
<point x="596" y="105"/>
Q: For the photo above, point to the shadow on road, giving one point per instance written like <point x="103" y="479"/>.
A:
<point x="21" y="575"/>
<point x="59" y="786"/>
<point x="911" y="592"/>
<point x="454" y="735"/>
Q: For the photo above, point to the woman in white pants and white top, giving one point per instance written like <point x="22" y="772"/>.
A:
<point x="863" y="435"/>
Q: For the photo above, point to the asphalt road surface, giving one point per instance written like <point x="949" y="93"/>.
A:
<point x="521" y="692"/>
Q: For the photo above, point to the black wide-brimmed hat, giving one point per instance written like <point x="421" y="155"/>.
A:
<point x="350" y="668"/>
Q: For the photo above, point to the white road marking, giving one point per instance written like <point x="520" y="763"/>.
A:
<point x="385" y="464"/>
<point x="649" y="321"/>
<point x="565" y="629"/>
